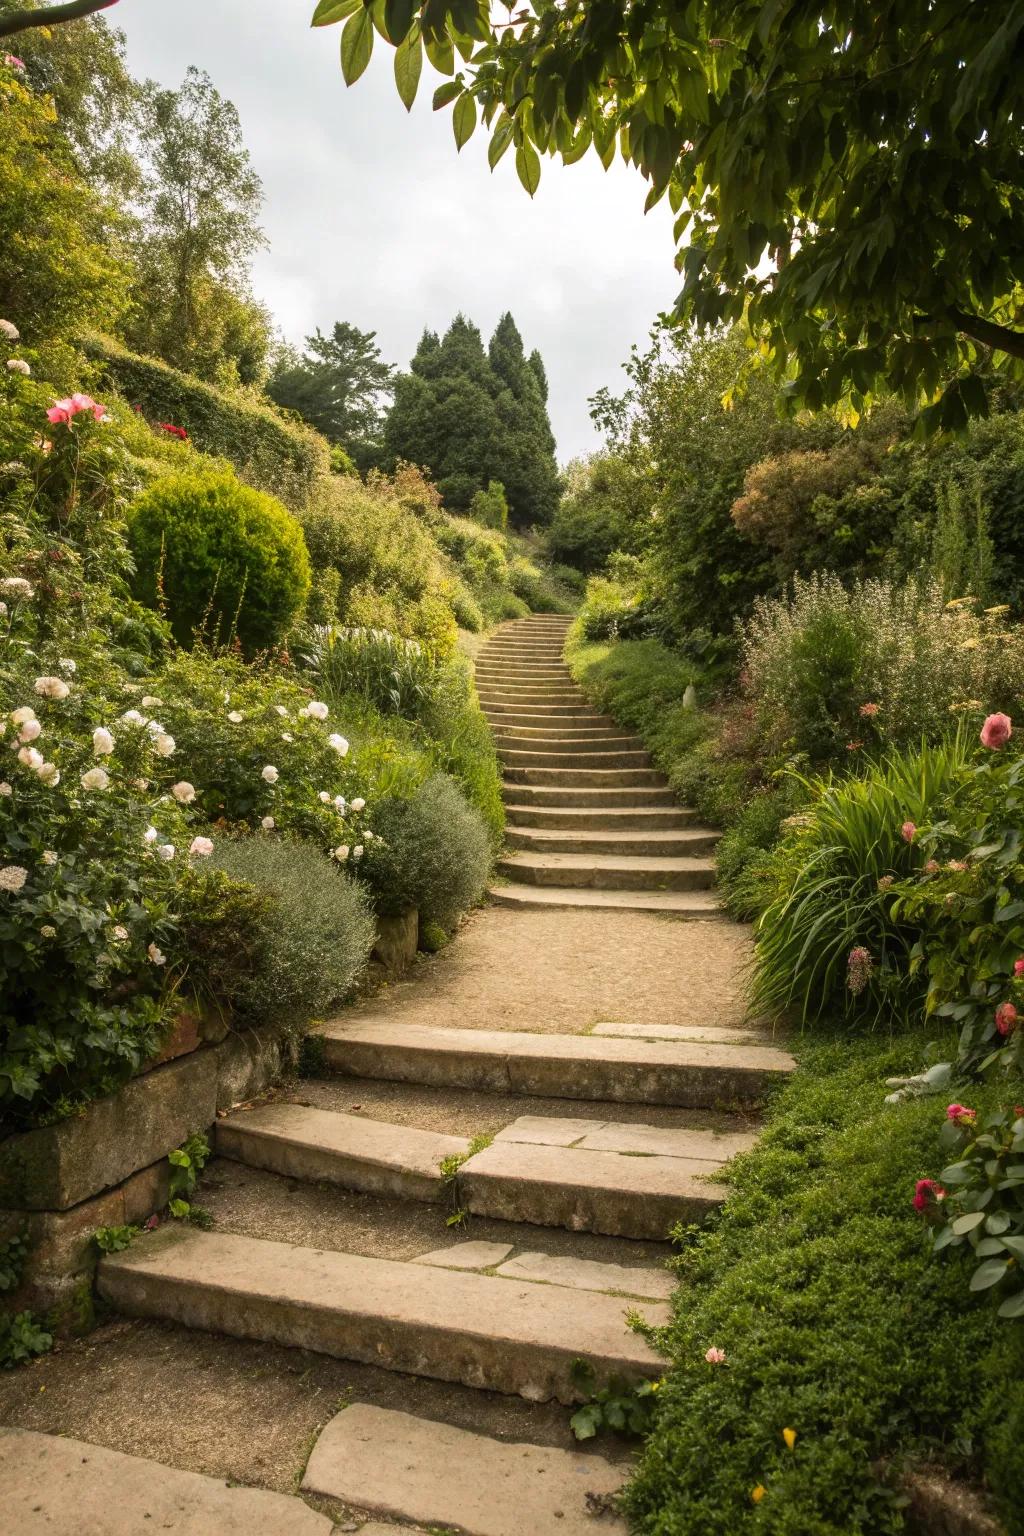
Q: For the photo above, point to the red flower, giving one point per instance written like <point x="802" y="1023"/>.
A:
<point x="167" y="426"/>
<point x="927" y="1192"/>
<point x="961" y="1115"/>
<point x="1006" y="1018"/>
<point x="1018" y="966"/>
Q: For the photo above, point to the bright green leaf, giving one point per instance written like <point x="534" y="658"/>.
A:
<point x="409" y="66"/>
<point x="330" y="11"/>
<point x="464" y="119"/>
<point x="528" y="167"/>
<point x="356" y="45"/>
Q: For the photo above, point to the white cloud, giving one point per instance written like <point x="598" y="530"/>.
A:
<point x="372" y="217"/>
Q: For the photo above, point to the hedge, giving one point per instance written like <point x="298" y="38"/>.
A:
<point x="267" y="450"/>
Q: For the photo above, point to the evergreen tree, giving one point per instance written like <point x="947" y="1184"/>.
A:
<point x="472" y="416"/>
<point x="338" y="386"/>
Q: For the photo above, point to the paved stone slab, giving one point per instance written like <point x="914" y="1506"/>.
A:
<point x="588" y="1275"/>
<point x="694" y="906"/>
<point x="641" y="1197"/>
<point x="369" y="1155"/>
<point x="413" y="1469"/>
<point x="52" y="1484"/>
<point x="466" y="1256"/>
<point x="692" y="1076"/>
<point x="451" y="1325"/>
<point x="711" y="1033"/>
<point x="609" y="871"/>
<point x="712" y="1147"/>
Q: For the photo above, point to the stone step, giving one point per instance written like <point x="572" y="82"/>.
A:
<point x="688" y="1075"/>
<point x="717" y="1033"/>
<point x="622" y="1195"/>
<point x="586" y="797"/>
<point x="53" y="1483"/>
<point x="654" y="818"/>
<point x="594" y="755"/>
<point x="480" y="1330"/>
<point x="511" y="729"/>
<point x="609" y="872"/>
<point x="367" y="1155"/>
<point x="555" y="713"/>
<point x="533" y="695"/>
<point x="693" y="842"/>
<point x="585" y="778"/>
<point x="643" y="1283"/>
<point x="563" y="742"/>
<point x="693" y="906"/>
<point x="530" y="677"/>
<point x="577" y="723"/>
<point x="435" y="1475"/>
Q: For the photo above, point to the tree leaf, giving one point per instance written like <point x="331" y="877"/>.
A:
<point x="440" y="52"/>
<point x="398" y="15"/>
<point x="446" y="93"/>
<point x="464" y="119"/>
<point x="330" y="11"/>
<point x="528" y="167"/>
<point x="967" y="1222"/>
<point x="1013" y="1306"/>
<point x="501" y="138"/>
<point x="408" y="66"/>
<point x="988" y="1274"/>
<point x="356" y="45"/>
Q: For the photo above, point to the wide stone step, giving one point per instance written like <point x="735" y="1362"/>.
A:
<point x="585" y="778"/>
<point x="537" y="695"/>
<point x="480" y="1330"/>
<point x="586" y="796"/>
<point x="609" y="872"/>
<point x="690" y="1075"/>
<point x="578" y="755"/>
<point x="527" y="676"/>
<point x="422" y="1471"/>
<point x="695" y="842"/>
<point x="692" y="906"/>
<point x="511" y="729"/>
<point x="577" y="723"/>
<point x="652" y="818"/>
<point x="368" y="1155"/>
<point x="556" y="712"/>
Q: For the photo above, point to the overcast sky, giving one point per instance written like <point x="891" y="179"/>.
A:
<point x="373" y="218"/>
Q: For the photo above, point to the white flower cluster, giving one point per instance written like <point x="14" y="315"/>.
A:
<point x="28" y="729"/>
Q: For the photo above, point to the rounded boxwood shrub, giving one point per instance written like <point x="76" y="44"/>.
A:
<point x="431" y="852"/>
<point x="220" y="558"/>
<point x="305" y="937"/>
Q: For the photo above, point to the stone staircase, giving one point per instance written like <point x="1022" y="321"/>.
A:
<point x="590" y="822"/>
<point x="562" y="1210"/>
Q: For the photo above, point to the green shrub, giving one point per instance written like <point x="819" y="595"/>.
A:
<point x="468" y="613"/>
<point x="817" y="1284"/>
<point x="430" y="852"/>
<point x="395" y="676"/>
<point x="607" y="606"/>
<point x="221" y="558"/>
<point x="743" y="870"/>
<point x="268" y="450"/>
<point x="830" y="946"/>
<point x="830" y="671"/>
<point x="305" y="942"/>
<point x="489" y="507"/>
<point x="537" y="588"/>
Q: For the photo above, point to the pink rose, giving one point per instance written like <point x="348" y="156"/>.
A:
<point x="908" y="831"/>
<point x="996" y="731"/>
<point x="714" y="1356"/>
<point x="1006" y="1018"/>
<point x="62" y="411"/>
<point x="925" y="1192"/>
<point x="1018" y="966"/>
<point x="961" y="1115"/>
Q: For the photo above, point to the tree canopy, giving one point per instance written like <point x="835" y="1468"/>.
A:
<point x="845" y="175"/>
<point x="339" y="385"/>
<point x="474" y="416"/>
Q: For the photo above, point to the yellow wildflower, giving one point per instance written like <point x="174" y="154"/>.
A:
<point x="758" y="1493"/>
<point x="789" y="1435"/>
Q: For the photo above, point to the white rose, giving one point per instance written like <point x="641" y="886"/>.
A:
<point x="200" y="847"/>
<point x="325" y="798"/>
<point x="156" y="955"/>
<point x="50" y="856"/>
<point x="150" y="701"/>
<point x="47" y="931"/>
<point x="10" y="330"/>
<point x="340" y="853"/>
<point x="339" y="804"/>
<point x="368" y="835"/>
<point x="5" y="788"/>
<point x="150" y="835"/>
<point x="357" y="851"/>
<point x="30" y="731"/>
<point x="287" y="736"/>
<point x="96" y="778"/>
<point x="235" y="717"/>
<point x="120" y="933"/>
<point x="31" y="758"/>
<point x="102" y="742"/>
<point x="16" y="586"/>
<point x="358" y="805"/>
<point x="166" y="852"/>
<point x="49" y="773"/>
<point x="13" y="877"/>
<point x="183" y="792"/>
<point x="18" y="365"/>
<point x="51" y="688"/>
<point x="317" y="711"/>
<point x="132" y="717"/>
<point x="270" y="774"/>
<point x="26" y="712"/>
<point x="339" y="744"/>
<point x="268" y="823"/>
<point x="164" y="744"/>
<point x="281" y="709"/>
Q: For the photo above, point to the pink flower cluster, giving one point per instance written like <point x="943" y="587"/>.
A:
<point x="996" y="731"/>
<point x="859" y="968"/>
<point x="908" y="831"/>
<point x="959" y="1114"/>
<point x="62" y="411"/>
<point x="927" y="1192"/>
<point x="1007" y="1019"/>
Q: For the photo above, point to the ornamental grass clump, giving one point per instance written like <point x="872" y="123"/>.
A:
<point x="833" y="671"/>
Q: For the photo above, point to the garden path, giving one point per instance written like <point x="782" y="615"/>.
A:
<point x="472" y="1191"/>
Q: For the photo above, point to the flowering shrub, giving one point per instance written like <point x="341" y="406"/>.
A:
<point x="833" y="671"/>
<point x="979" y="1203"/>
<point x="221" y="559"/>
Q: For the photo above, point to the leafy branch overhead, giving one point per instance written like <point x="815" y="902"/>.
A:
<point x="844" y="177"/>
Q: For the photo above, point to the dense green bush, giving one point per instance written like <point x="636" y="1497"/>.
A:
<point x="830" y="946"/>
<point x="304" y="943"/>
<point x="430" y="851"/>
<point x="267" y="449"/>
<point x="219" y="558"/>
<point x="817" y="1285"/>
<point x="595" y="514"/>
